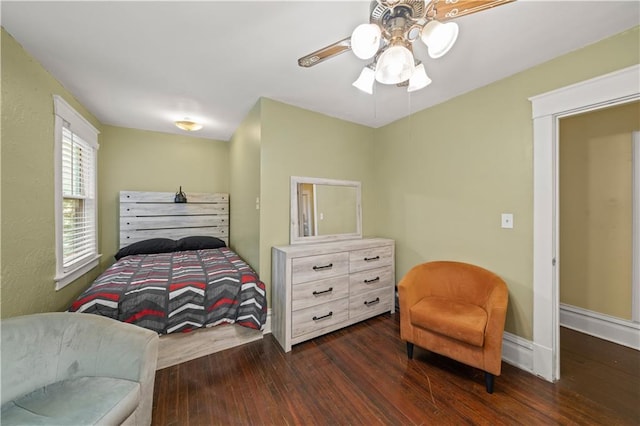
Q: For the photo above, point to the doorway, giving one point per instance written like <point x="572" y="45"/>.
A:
<point x="596" y="215"/>
<point x="612" y="89"/>
<point x="598" y="225"/>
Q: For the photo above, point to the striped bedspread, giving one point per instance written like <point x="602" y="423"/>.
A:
<point x="178" y="291"/>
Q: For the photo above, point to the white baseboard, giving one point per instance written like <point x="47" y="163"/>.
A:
<point x="267" y="324"/>
<point x="517" y="351"/>
<point x="616" y="330"/>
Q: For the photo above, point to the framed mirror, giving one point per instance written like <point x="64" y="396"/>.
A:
<point x="324" y="210"/>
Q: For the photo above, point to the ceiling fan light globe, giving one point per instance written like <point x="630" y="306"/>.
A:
<point x="366" y="80"/>
<point x="419" y="79"/>
<point x="395" y="65"/>
<point x="439" y="37"/>
<point x="365" y="40"/>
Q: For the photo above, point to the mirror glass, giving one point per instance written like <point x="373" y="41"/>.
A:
<point x="324" y="210"/>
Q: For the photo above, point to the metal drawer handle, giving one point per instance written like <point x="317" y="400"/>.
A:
<point x="373" y="302"/>
<point x="376" y="279"/>
<point x="369" y="259"/>
<point x="320" y="268"/>
<point x="318" y="293"/>
<point x="323" y="317"/>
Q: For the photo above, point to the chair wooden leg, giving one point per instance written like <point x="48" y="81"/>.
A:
<point x="410" y="350"/>
<point x="488" y="381"/>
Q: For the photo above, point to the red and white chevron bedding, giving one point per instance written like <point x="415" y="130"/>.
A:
<point x="178" y="291"/>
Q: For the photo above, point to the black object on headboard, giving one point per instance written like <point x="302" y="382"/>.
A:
<point x="181" y="197"/>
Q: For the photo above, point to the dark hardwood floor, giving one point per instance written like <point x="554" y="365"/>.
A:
<point x="601" y="371"/>
<point x="361" y="376"/>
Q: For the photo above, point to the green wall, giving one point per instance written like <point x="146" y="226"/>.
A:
<point x="141" y="160"/>
<point x="28" y="233"/>
<point x="445" y="174"/>
<point x="244" y="163"/>
<point x="273" y="143"/>
<point x="297" y="142"/>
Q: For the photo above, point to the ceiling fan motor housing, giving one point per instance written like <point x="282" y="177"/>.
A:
<point x="382" y="11"/>
<point x="400" y="20"/>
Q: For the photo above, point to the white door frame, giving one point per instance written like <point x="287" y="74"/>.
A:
<point x="635" y="275"/>
<point x="611" y="89"/>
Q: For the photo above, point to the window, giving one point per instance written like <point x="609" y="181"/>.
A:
<point x="76" y="154"/>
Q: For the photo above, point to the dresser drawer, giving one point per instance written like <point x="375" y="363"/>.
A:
<point x="371" y="303"/>
<point x="362" y="282"/>
<point x="375" y="257"/>
<point x="318" y="317"/>
<point x="312" y="268"/>
<point x="317" y="288"/>
<point x="316" y="292"/>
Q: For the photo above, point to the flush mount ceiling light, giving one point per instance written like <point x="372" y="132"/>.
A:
<point x="188" y="125"/>
<point x="388" y="39"/>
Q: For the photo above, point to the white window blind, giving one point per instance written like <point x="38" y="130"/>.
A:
<point x="78" y="205"/>
<point x="76" y="201"/>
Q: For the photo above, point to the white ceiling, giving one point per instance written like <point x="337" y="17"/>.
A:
<point x="146" y="64"/>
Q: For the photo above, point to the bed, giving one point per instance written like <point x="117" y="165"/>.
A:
<point x="174" y="274"/>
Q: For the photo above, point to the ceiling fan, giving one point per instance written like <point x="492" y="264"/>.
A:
<point x="388" y="39"/>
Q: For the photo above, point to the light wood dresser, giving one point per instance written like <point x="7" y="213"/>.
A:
<point x="318" y="288"/>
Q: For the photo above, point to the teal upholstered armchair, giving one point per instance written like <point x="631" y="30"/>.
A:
<point x="76" y="369"/>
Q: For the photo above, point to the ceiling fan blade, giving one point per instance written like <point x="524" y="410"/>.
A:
<point x="325" y="53"/>
<point x="450" y="10"/>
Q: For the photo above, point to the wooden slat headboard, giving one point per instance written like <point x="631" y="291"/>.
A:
<point x="145" y="215"/>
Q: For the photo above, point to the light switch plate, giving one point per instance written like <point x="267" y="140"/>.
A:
<point x="507" y="220"/>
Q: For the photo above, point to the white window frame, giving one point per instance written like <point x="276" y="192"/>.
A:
<point x="65" y="114"/>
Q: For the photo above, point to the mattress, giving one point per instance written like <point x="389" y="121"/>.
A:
<point x="178" y="291"/>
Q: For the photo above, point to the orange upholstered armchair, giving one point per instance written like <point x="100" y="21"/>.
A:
<point x="457" y="310"/>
